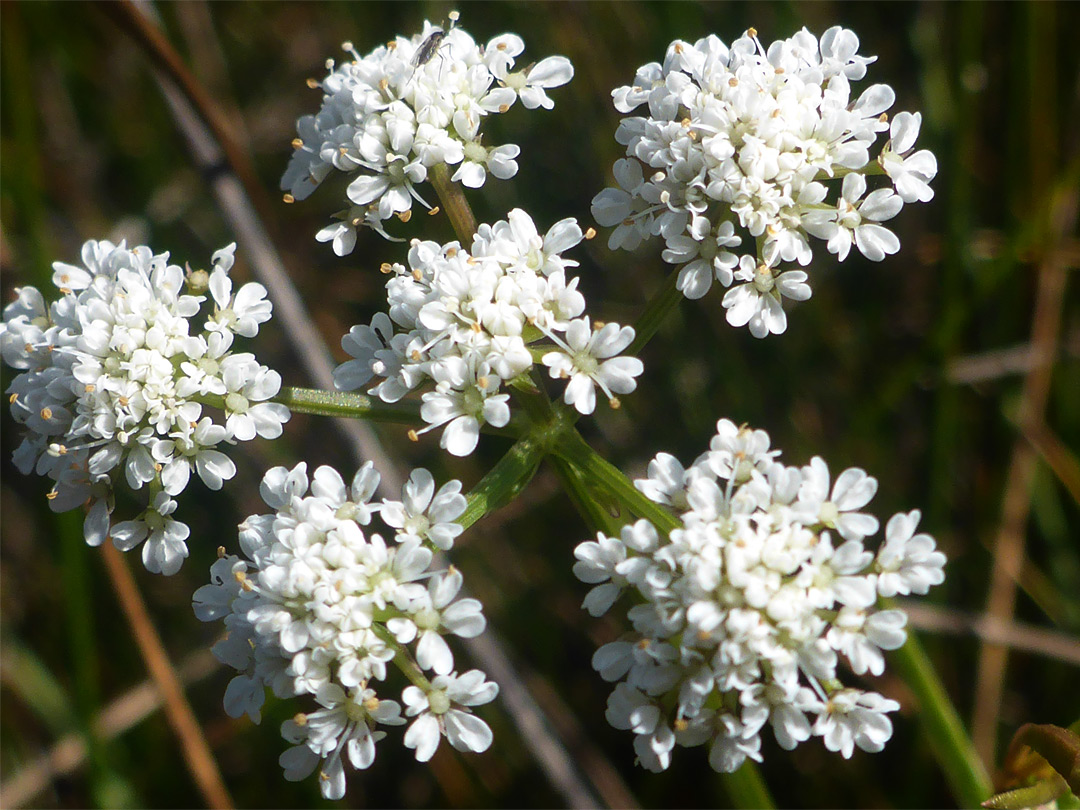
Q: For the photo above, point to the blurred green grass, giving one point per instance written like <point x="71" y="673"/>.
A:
<point x="862" y="376"/>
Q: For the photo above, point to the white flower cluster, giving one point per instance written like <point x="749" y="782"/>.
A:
<point x="743" y="613"/>
<point x="466" y="321"/>
<point x="751" y="142"/>
<point x="321" y="605"/>
<point x="390" y="116"/>
<point x="114" y="382"/>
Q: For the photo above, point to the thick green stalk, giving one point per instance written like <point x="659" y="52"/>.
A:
<point x="746" y="787"/>
<point x="601" y="473"/>
<point x="454" y="203"/>
<point x="584" y="499"/>
<point x="349" y="405"/>
<point x="656" y="311"/>
<point x="506" y="479"/>
<point x="955" y="752"/>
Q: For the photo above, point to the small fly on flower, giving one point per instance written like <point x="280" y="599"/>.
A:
<point x="430" y="46"/>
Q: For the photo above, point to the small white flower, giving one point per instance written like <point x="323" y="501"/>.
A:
<point x="853" y="718"/>
<point x="464" y="399"/>
<point x="342" y="729"/>
<point x="164" y="549"/>
<point x="910" y="171"/>
<point x="589" y="359"/>
<point x="438" y="714"/>
<point x="423" y="513"/>
<point x="758" y="301"/>
<point x="852" y="491"/>
<point x="856" y="221"/>
<point x="907" y="562"/>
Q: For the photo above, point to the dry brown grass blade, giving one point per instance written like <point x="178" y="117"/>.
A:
<point x="1014" y="635"/>
<point x="70" y="751"/>
<point x="193" y="745"/>
<point x="1008" y="548"/>
<point x="1059" y="458"/>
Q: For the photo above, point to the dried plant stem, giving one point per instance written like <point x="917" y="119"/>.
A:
<point x="1009" y="543"/>
<point x="193" y="745"/>
<point x="120" y="715"/>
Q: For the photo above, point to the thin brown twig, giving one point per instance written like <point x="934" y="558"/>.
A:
<point x="193" y="745"/>
<point x="1008" y="549"/>
<point x="1059" y="458"/>
<point x="983" y="367"/>
<point x="1014" y="635"/>
<point x="121" y="714"/>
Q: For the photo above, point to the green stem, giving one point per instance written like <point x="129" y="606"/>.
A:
<point x="746" y="788"/>
<point x="584" y="499"/>
<point x="454" y="203"/>
<point x="505" y="480"/>
<point x="402" y="659"/>
<point x="349" y="405"/>
<point x="656" y="310"/>
<point x="608" y="477"/>
<point x="963" y="769"/>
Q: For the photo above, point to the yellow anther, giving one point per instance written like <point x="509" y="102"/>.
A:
<point x="46" y="413"/>
<point x="288" y="198"/>
<point x="434" y="211"/>
<point x="590" y="233"/>
<point x="413" y="436"/>
<point x="313" y="84"/>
